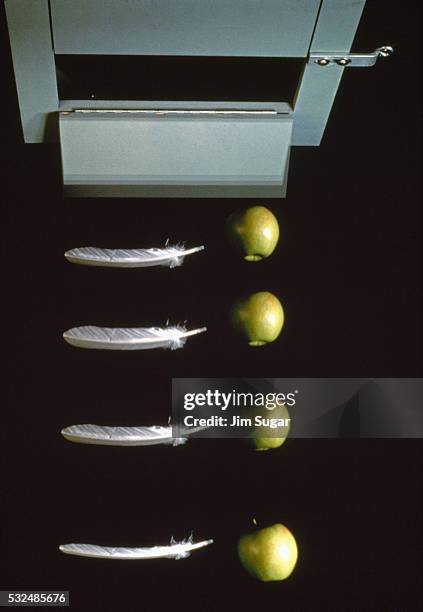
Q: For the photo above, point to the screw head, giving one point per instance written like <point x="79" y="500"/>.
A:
<point x="322" y="62"/>
<point x="344" y="61"/>
<point x="386" y="51"/>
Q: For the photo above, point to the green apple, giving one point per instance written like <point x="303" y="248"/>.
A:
<point x="268" y="443"/>
<point x="268" y="554"/>
<point x="266" y="437"/>
<point x="254" y="232"/>
<point x="258" y="318"/>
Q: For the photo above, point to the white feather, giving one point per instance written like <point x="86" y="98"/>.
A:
<point x="171" y="256"/>
<point x="121" y="436"/>
<point x="176" y="550"/>
<point x="123" y="338"/>
<point x="126" y="436"/>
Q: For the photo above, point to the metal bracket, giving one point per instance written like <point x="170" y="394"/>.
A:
<point x="353" y="60"/>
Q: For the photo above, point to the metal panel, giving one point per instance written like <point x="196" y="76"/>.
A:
<point x="267" y="28"/>
<point x="33" y="62"/>
<point x="337" y="24"/>
<point x="116" y="155"/>
<point x="335" y="30"/>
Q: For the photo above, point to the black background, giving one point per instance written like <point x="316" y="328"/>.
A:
<point x="348" y="271"/>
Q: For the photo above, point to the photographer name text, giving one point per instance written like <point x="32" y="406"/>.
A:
<point x="236" y="421"/>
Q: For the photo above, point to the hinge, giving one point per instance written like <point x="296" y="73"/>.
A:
<point x="353" y="60"/>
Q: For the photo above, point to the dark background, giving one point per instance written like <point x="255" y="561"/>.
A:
<point x="348" y="271"/>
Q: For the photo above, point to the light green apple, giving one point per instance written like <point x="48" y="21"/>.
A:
<point x="268" y="554"/>
<point x="254" y="232"/>
<point x="259" y="318"/>
<point x="266" y="437"/>
<point x="262" y="444"/>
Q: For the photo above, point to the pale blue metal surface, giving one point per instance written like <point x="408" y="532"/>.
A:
<point x="335" y="30"/>
<point x="174" y="156"/>
<point x="33" y="62"/>
<point x="337" y="24"/>
<point x="266" y="28"/>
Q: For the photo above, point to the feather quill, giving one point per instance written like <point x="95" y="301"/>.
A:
<point x="130" y="338"/>
<point x="170" y="256"/>
<point x="175" y="550"/>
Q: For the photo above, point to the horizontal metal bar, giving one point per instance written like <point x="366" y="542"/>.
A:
<point x="173" y="112"/>
<point x="353" y="60"/>
<point x="185" y="105"/>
